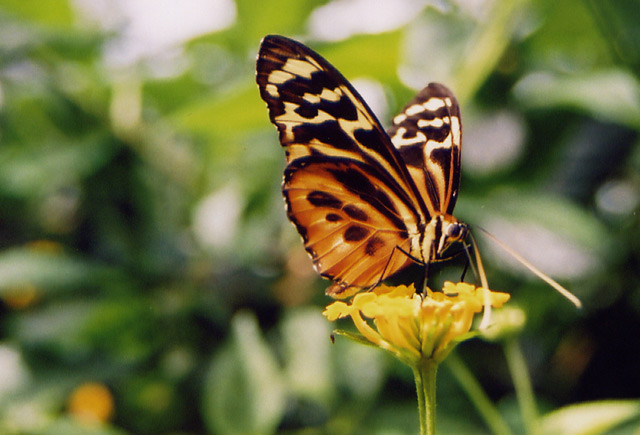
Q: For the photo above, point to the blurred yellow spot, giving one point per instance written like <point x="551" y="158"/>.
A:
<point x="45" y="246"/>
<point x="91" y="402"/>
<point x="21" y="297"/>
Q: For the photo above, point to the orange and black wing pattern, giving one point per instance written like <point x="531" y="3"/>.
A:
<point x="349" y="190"/>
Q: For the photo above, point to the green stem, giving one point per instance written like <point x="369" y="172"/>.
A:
<point x="522" y="383"/>
<point x="476" y="394"/>
<point x="486" y="48"/>
<point x="425" y="376"/>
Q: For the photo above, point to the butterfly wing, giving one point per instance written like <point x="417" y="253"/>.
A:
<point x="347" y="189"/>
<point x="350" y="219"/>
<point x="428" y="135"/>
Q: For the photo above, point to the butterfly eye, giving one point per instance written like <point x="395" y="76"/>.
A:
<point x="456" y="231"/>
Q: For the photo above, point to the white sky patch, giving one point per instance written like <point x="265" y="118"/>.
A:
<point x="149" y="27"/>
<point x="341" y="19"/>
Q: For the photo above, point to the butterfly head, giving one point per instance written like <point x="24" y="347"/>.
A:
<point x="451" y="231"/>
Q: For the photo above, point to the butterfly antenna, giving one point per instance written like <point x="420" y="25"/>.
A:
<point x="560" y="289"/>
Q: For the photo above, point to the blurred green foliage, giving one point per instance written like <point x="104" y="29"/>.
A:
<point x="143" y="243"/>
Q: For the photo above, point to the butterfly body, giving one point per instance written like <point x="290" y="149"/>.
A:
<point x="366" y="202"/>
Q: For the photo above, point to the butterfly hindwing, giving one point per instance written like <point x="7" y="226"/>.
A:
<point x="351" y="221"/>
<point x="428" y="135"/>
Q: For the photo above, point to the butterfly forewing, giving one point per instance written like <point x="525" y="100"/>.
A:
<point x="317" y="111"/>
<point x="360" y="202"/>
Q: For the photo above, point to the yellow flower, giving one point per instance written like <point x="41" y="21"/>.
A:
<point x="416" y="327"/>
<point x="91" y="402"/>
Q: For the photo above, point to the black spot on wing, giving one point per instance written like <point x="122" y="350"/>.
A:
<point x="373" y="244"/>
<point x="355" y="213"/>
<point x="355" y="233"/>
<point x="332" y="217"/>
<point x="328" y="132"/>
<point x="356" y="178"/>
<point x="323" y="199"/>
<point x="308" y="110"/>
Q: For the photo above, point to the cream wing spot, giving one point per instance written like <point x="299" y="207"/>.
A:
<point x="272" y="90"/>
<point x="436" y="122"/>
<point x="433" y="104"/>
<point x="399" y="119"/>
<point x="400" y="141"/>
<point x="299" y="67"/>
<point x="455" y="129"/>
<point x="311" y="98"/>
<point x="291" y="118"/>
<point x="312" y="61"/>
<point x="331" y="95"/>
<point x="278" y="77"/>
<point x="415" y="109"/>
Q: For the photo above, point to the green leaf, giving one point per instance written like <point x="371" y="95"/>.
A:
<point x="360" y="56"/>
<point x="244" y="390"/>
<point x="558" y="237"/>
<point x="287" y="17"/>
<point x="307" y="352"/>
<point x="619" y="22"/>
<point x="68" y="426"/>
<point x="46" y="270"/>
<point x="219" y="116"/>
<point x="609" y="94"/>
<point x="590" y="418"/>
<point x="49" y="12"/>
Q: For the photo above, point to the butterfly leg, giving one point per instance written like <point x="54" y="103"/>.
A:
<point x="422" y="287"/>
<point x="465" y="269"/>
<point x="384" y="271"/>
<point x="469" y="263"/>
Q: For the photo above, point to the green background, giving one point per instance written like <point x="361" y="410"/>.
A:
<point x="144" y="245"/>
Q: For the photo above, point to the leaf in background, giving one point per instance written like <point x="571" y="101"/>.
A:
<point x="360" y="56"/>
<point x="590" y="418"/>
<point x="307" y="351"/>
<point x="29" y="173"/>
<point x="612" y="95"/>
<point x="228" y="115"/>
<point x="618" y="21"/>
<point x="55" y="13"/>
<point x="558" y="237"/>
<point x="47" y="270"/>
<point x="255" y="20"/>
<point x="244" y="390"/>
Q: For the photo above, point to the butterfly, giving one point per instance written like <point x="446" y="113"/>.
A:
<point x="367" y="203"/>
